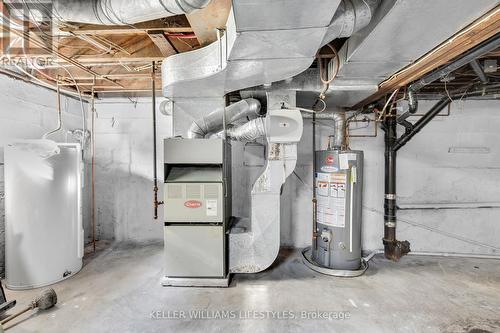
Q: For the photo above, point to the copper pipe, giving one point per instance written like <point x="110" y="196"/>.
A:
<point x="156" y="203"/>
<point x="93" y="169"/>
<point x="314" y="199"/>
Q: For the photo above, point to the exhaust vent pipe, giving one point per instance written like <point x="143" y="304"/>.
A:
<point x="338" y="140"/>
<point x="120" y="12"/>
<point x="214" y="121"/>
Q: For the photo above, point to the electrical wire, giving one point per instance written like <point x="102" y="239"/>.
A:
<point x="382" y="113"/>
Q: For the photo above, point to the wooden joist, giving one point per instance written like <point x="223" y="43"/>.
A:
<point x="480" y="30"/>
<point x="206" y="22"/>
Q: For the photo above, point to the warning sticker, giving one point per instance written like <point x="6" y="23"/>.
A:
<point x="211" y="207"/>
<point x="331" y="201"/>
<point x="322" y="184"/>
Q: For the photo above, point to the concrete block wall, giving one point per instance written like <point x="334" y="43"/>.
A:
<point x="27" y="112"/>
<point x="427" y="174"/>
<point x="124" y="169"/>
<point x="454" y="161"/>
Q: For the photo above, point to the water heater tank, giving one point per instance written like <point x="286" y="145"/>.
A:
<point x="338" y="186"/>
<point x="43" y="221"/>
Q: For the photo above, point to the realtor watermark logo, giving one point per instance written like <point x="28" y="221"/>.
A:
<point x="248" y="315"/>
<point x="26" y="35"/>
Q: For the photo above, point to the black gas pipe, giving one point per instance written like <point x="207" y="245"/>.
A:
<point x="393" y="248"/>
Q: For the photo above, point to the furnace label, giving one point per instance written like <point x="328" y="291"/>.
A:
<point x="211" y="207"/>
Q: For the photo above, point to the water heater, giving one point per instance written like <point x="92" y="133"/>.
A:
<point x="338" y="206"/>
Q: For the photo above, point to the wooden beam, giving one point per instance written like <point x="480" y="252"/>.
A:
<point x="162" y="43"/>
<point x="205" y="22"/>
<point x="480" y="30"/>
<point x="176" y="24"/>
<point x="128" y="31"/>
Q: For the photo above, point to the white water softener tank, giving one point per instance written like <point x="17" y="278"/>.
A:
<point x="43" y="212"/>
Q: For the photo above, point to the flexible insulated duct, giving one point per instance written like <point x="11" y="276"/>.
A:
<point x="249" y="131"/>
<point x="121" y="12"/>
<point x="214" y="121"/>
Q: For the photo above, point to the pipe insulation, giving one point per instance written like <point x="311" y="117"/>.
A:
<point x="119" y="12"/>
<point x="214" y="121"/>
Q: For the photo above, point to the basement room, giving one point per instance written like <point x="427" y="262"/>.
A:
<point x="250" y="166"/>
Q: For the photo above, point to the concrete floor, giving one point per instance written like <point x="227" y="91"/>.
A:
<point x="119" y="290"/>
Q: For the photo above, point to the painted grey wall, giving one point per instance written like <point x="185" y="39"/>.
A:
<point x="124" y="169"/>
<point x="428" y="174"/>
<point x="27" y="112"/>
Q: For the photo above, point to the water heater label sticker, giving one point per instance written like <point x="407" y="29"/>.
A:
<point x="344" y="161"/>
<point x="333" y="190"/>
<point x="322" y="184"/>
<point x="329" y="168"/>
<point x="322" y="176"/>
<point x="351" y="156"/>
<point x="322" y="188"/>
<point x="341" y="190"/>
<point x="211" y="207"/>
<point x="338" y="178"/>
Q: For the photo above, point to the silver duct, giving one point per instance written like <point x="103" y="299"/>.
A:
<point x="122" y="11"/>
<point x="339" y="123"/>
<point x="260" y="49"/>
<point x="350" y="17"/>
<point x="249" y="131"/>
<point x="338" y="141"/>
<point x="213" y="122"/>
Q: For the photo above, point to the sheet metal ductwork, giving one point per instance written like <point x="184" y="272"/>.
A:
<point x="392" y="40"/>
<point x="259" y="49"/>
<point x="339" y="124"/>
<point x="256" y="247"/>
<point x="213" y="122"/>
<point x="118" y="12"/>
<point x="350" y="17"/>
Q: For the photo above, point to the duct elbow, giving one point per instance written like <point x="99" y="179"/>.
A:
<point x="195" y="131"/>
<point x="364" y="10"/>
<point x="188" y="6"/>
<point x="214" y="121"/>
<point x="253" y="106"/>
<point x="350" y="17"/>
